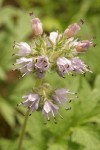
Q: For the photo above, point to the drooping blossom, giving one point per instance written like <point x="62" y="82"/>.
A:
<point x="31" y="101"/>
<point x="42" y="63"/>
<point x="24" y="65"/>
<point x="79" y="66"/>
<point x="49" y="109"/>
<point x="72" y="30"/>
<point x="40" y="74"/>
<point x="24" y="48"/>
<point x="64" y="66"/>
<point x="61" y="96"/>
<point x="83" y="45"/>
<point x="37" y="26"/>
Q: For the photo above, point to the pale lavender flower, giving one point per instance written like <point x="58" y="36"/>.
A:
<point x="31" y="101"/>
<point x="24" y="48"/>
<point x="72" y="30"/>
<point x="49" y="109"/>
<point x="40" y="74"/>
<point x="79" y="66"/>
<point x="37" y="26"/>
<point x="61" y="96"/>
<point x="64" y="66"/>
<point x="42" y="63"/>
<point x="24" y="65"/>
<point x="83" y="45"/>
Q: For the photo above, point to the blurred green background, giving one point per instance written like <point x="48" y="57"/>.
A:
<point x="80" y="128"/>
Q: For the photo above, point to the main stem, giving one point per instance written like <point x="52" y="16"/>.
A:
<point x="23" y="131"/>
<point x="38" y="83"/>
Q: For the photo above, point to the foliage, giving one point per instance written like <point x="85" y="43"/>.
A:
<point x="80" y="128"/>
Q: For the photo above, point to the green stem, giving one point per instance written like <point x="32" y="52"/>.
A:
<point x="23" y="131"/>
<point x="38" y="83"/>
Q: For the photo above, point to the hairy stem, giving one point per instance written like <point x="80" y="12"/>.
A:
<point x="38" y="83"/>
<point x="23" y="131"/>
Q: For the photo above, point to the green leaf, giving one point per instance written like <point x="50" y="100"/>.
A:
<point x="86" y="137"/>
<point x="7" y="112"/>
<point x="56" y="147"/>
<point x="2" y="74"/>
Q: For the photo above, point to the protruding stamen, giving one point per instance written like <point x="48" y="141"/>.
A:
<point x="81" y="22"/>
<point x="94" y="45"/>
<point x="68" y="108"/>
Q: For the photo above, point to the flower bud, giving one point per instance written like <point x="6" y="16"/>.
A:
<point x="37" y="26"/>
<point x="72" y="30"/>
<point x="83" y="45"/>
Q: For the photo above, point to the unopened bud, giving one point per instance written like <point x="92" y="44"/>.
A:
<point x="37" y="26"/>
<point x="72" y="30"/>
<point x="83" y="45"/>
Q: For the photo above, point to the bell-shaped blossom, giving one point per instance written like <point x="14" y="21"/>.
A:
<point x="42" y="63"/>
<point x="40" y="74"/>
<point x="72" y="30"/>
<point x="24" y="65"/>
<point x="37" y="26"/>
<point x="61" y="96"/>
<point x="83" y="45"/>
<point x="31" y="101"/>
<point x="49" y="109"/>
<point x="24" y="48"/>
<point x="64" y="66"/>
<point x="79" y="66"/>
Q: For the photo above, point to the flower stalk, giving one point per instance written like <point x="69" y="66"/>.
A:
<point x="21" y="137"/>
<point x="23" y="131"/>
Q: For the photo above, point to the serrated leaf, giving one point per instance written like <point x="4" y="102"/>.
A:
<point x="86" y="137"/>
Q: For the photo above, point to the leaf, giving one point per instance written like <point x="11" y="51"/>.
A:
<point x="2" y="74"/>
<point x="86" y="137"/>
<point x="97" y="82"/>
<point x="55" y="146"/>
<point x="7" y="112"/>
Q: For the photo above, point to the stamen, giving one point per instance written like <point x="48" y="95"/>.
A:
<point x="94" y="45"/>
<point x="81" y="22"/>
<point x="55" y="120"/>
<point x="60" y="115"/>
<point x="68" y="108"/>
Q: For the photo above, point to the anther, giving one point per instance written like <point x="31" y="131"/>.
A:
<point x="69" y="108"/>
<point x="94" y="45"/>
<point x="81" y="22"/>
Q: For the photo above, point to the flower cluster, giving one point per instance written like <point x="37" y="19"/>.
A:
<point x="33" y="101"/>
<point x="56" y="52"/>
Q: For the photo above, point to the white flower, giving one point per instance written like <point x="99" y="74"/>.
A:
<point x="42" y="63"/>
<point x="49" y="108"/>
<point x="31" y="101"/>
<point x="64" y="66"/>
<point x="24" y="65"/>
<point x="24" y="49"/>
<point x="79" y="66"/>
<point x="54" y="36"/>
<point x="61" y="96"/>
